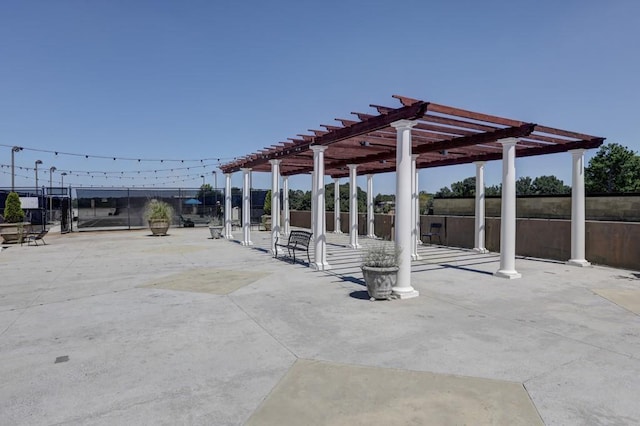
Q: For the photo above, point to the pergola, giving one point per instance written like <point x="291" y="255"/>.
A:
<point x="413" y="136"/>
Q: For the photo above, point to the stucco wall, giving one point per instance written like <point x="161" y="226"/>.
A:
<point x="609" y="243"/>
<point x="623" y="208"/>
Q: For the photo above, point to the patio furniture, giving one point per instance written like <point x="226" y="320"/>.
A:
<point x="435" y="230"/>
<point x="33" y="237"/>
<point x="186" y="222"/>
<point x="298" y="241"/>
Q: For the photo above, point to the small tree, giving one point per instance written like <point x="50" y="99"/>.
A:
<point x="615" y="168"/>
<point x="13" y="212"/>
<point x="267" y="203"/>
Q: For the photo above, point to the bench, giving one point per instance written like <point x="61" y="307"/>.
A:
<point x="297" y="241"/>
<point x="186" y="222"/>
<point x="34" y="237"/>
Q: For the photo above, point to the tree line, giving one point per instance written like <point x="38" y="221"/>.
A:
<point x="614" y="169"/>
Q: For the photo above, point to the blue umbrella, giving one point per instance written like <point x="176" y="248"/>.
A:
<point x="192" y="202"/>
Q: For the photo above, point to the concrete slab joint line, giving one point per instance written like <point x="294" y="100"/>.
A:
<point x="326" y="393"/>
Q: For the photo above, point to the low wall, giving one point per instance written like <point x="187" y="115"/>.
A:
<point x="608" y="243"/>
<point x="618" y="208"/>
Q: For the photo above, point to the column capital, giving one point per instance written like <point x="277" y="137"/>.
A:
<point x="414" y="157"/>
<point x="336" y="180"/>
<point x="275" y="162"/>
<point x="479" y="163"/>
<point x="403" y="124"/>
<point x="352" y="166"/>
<point x="318" y="148"/>
<point x="246" y="169"/>
<point x="577" y="152"/>
<point x="508" y="141"/>
<point x="228" y="174"/>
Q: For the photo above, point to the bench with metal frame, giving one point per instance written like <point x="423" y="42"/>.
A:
<point x="297" y="241"/>
<point x="33" y="237"/>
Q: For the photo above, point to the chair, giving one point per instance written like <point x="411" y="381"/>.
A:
<point x="435" y="230"/>
<point x="34" y="237"/>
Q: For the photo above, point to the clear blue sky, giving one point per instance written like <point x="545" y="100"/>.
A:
<point x="207" y="79"/>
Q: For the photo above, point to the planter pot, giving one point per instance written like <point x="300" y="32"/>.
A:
<point x="159" y="227"/>
<point x="14" y="232"/>
<point x="380" y="281"/>
<point x="266" y="222"/>
<point x="216" y="231"/>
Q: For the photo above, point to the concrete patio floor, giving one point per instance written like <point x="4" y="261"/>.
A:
<point x="123" y="328"/>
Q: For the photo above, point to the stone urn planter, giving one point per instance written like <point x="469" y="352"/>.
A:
<point x="380" y="281"/>
<point x="159" y="227"/>
<point x="216" y="231"/>
<point x="13" y="233"/>
<point x="159" y="215"/>
<point x="380" y="271"/>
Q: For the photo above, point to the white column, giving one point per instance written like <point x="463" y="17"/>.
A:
<point x="404" y="236"/>
<point x="479" y="234"/>
<point x="227" y="206"/>
<point x="314" y="212"/>
<point x="275" y="203"/>
<point x="320" y="229"/>
<point x="246" y="207"/>
<point x="508" y="212"/>
<point x="336" y="207"/>
<point x="353" y="207"/>
<point x="370" y="217"/>
<point x="415" y="209"/>
<point x="285" y="205"/>
<point x="577" y="210"/>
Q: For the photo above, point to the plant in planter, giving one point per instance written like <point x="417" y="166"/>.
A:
<point x="266" y="217"/>
<point x="380" y="270"/>
<point x="13" y="228"/>
<point x="159" y="215"/>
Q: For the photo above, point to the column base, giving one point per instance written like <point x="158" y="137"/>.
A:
<point x="507" y="274"/>
<point x="416" y="257"/>
<point x="355" y="246"/>
<point x="318" y="266"/>
<point x="337" y="232"/>
<point x="247" y="243"/>
<point x="228" y="237"/>
<point x="481" y="250"/>
<point x="578" y="262"/>
<point x="405" y="292"/>
<point x="420" y="242"/>
<point x="373" y="236"/>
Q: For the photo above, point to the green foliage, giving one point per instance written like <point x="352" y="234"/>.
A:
<point x="158" y="210"/>
<point x="380" y="256"/>
<point x="13" y="212"/>
<point x="614" y="168"/>
<point x="493" y="190"/>
<point x="463" y="188"/>
<point x="299" y="200"/>
<point x="523" y="186"/>
<point x="267" y="203"/>
<point x="549" y="185"/>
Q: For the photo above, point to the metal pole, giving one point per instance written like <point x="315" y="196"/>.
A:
<point x="13" y="172"/>
<point x="215" y="189"/>
<point x="51" y="170"/>
<point x="204" y="198"/>
<point x="37" y="162"/>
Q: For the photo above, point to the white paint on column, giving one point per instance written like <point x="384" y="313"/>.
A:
<point x="508" y="214"/>
<point x="404" y="236"/>
<point x="275" y="203"/>
<point x="336" y="207"/>
<point x="285" y="205"/>
<point x="319" y="230"/>
<point x="227" y="207"/>
<point x="353" y="207"/>
<point x="577" y="210"/>
<point x="479" y="234"/>
<point x="415" y="209"/>
<point x="246" y="207"/>
<point x="370" y="216"/>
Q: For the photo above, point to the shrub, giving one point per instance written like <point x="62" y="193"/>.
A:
<point x="13" y="212"/>
<point x="158" y="210"/>
<point x="380" y="256"/>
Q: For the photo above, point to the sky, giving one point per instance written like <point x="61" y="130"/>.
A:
<point x="197" y="83"/>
